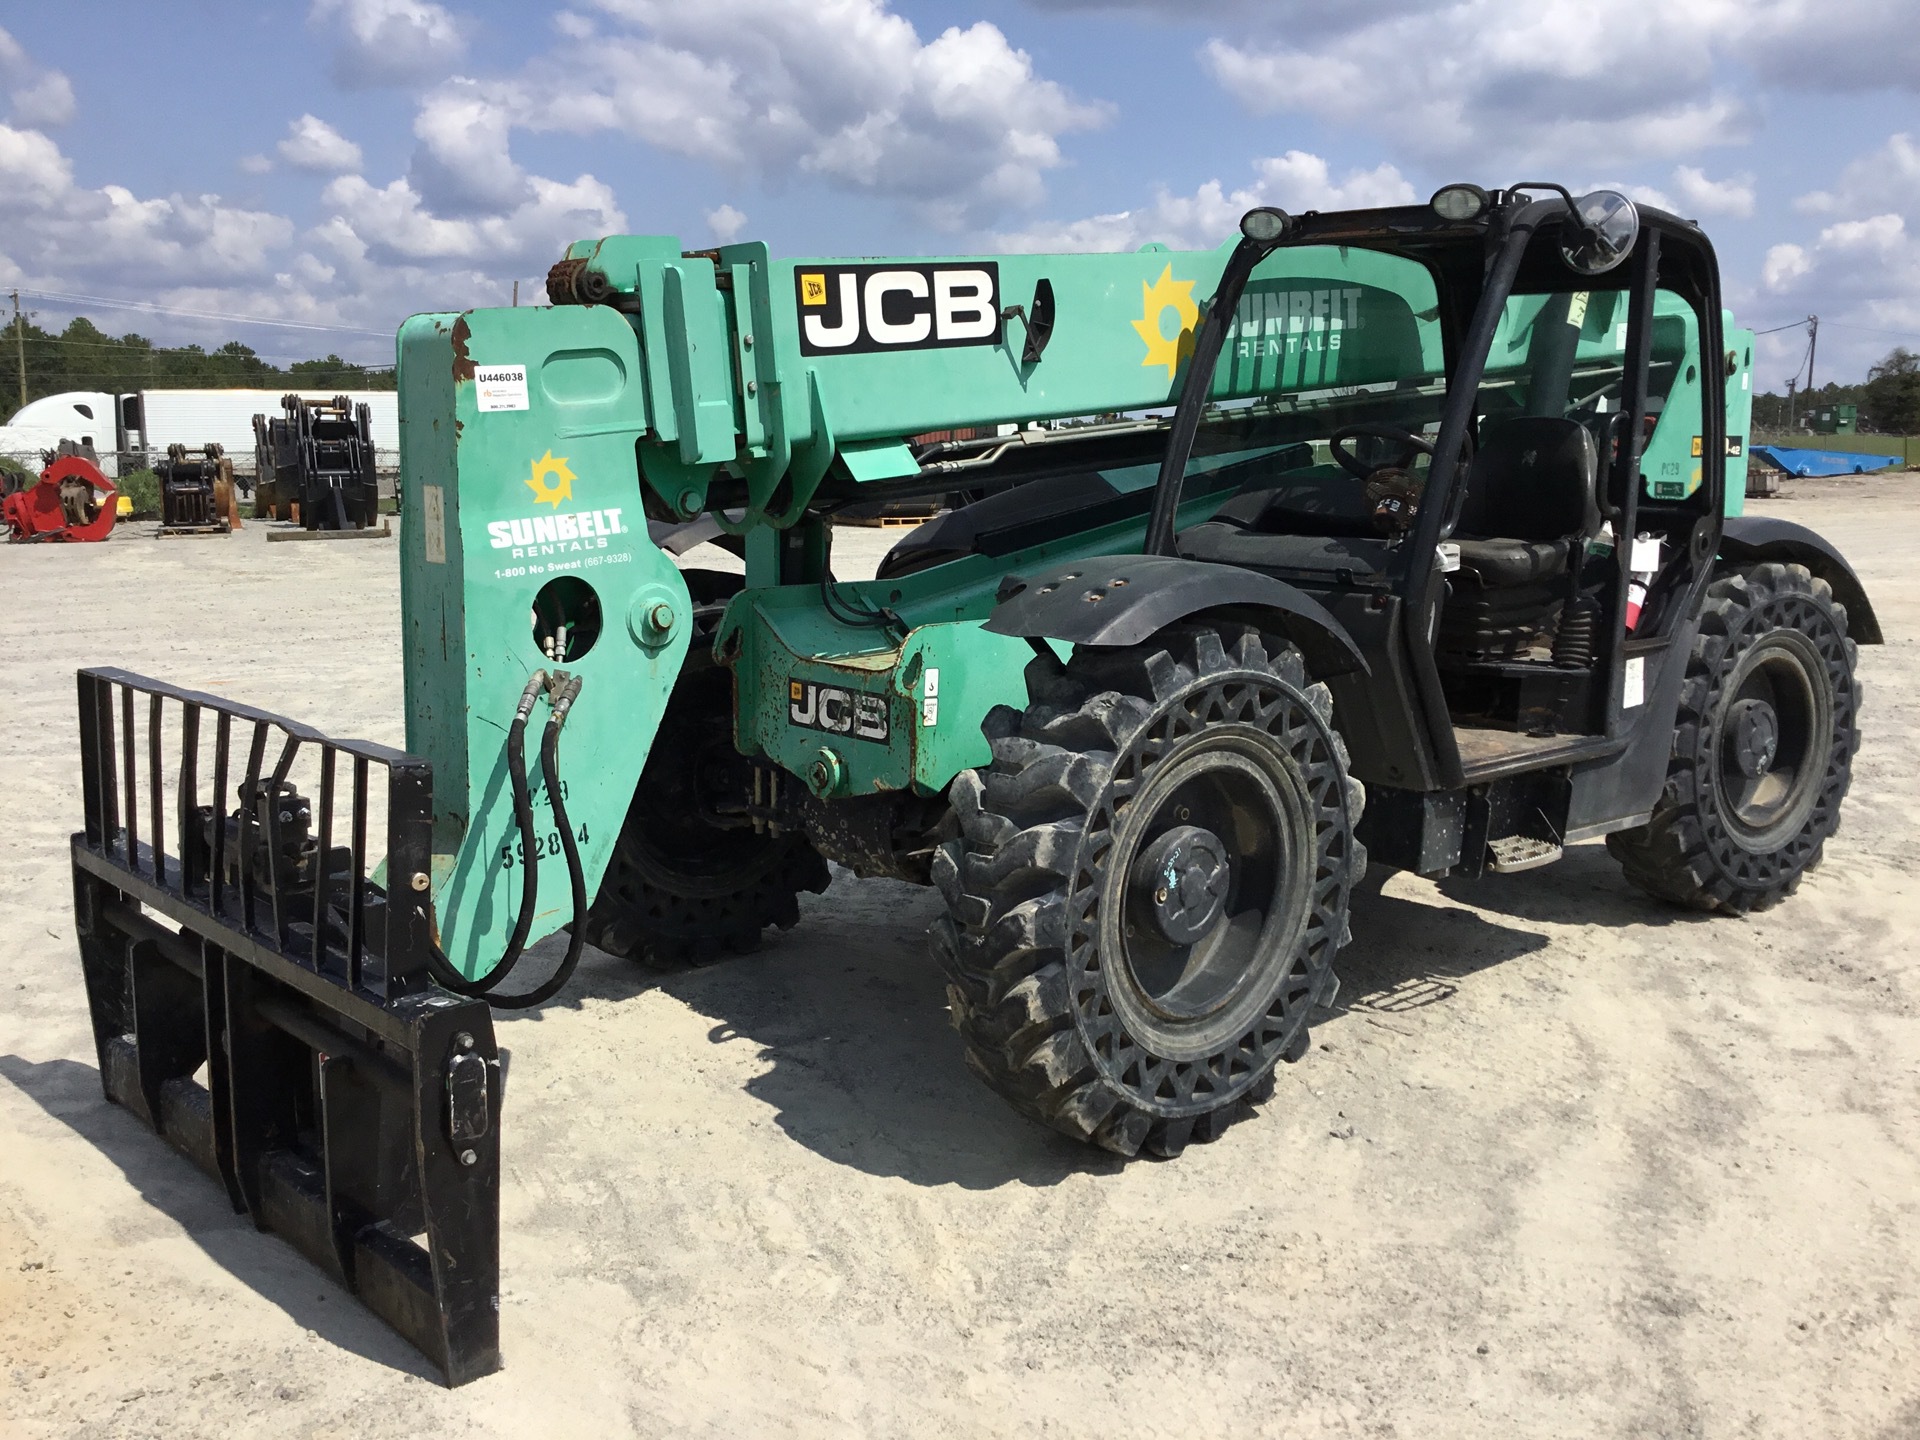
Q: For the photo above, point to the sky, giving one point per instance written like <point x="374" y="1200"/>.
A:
<point x="333" y="166"/>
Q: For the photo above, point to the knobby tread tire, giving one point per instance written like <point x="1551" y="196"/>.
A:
<point x="654" y="907"/>
<point x="1023" y="879"/>
<point x="1685" y="853"/>
<point x="646" y="912"/>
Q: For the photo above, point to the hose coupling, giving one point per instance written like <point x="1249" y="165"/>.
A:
<point x="531" y="695"/>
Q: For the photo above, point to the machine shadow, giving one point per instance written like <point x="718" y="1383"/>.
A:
<point x="1406" y="955"/>
<point x="70" y="1092"/>
<point x="1585" y="887"/>
<point x="849" y="1014"/>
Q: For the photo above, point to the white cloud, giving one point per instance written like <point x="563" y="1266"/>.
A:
<point x="379" y="254"/>
<point x="39" y="96"/>
<point x="1784" y="265"/>
<point x="1692" y="196"/>
<point x="312" y="144"/>
<point x="464" y="162"/>
<point x="1733" y="197"/>
<point x="254" y="164"/>
<point x="1877" y="234"/>
<point x="33" y="172"/>
<point x="726" y="224"/>
<point x="1299" y="181"/>
<point x="1888" y="177"/>
<point x="59" y="233"/>
<point x="1508" y="82"/>
<point x="392" y="222"/>
<point x="1861" y="273"/>
<point x="1501" y="82"/>
<point x="389" y="42"/>
<point x="1295" y="181"/>
<point x="47" y="100"/>
<point x="960" y="128"/>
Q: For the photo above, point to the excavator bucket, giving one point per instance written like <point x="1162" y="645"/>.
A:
<point x="260" y="997"/>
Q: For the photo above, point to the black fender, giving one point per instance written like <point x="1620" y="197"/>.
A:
<point x="1753" y="539"/>
<point x="1115" y="600"/>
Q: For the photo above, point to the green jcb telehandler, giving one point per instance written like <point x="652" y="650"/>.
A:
<point x="1400" y="535"/>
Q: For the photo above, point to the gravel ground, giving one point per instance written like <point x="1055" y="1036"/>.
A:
<point x="1565" y="1162"/>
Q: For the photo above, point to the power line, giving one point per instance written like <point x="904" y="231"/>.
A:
<point x="151" y="308"/>
<point x="183" y="352"/>
<point x="1872" y="330"/>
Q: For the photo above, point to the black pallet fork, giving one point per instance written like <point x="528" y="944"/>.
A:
<point x="349" y="1106"/>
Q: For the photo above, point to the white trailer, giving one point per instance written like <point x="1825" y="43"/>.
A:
<point x="155" y="419"/>
<point x="142" y="424"/>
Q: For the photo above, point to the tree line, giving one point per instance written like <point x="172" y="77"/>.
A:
<point x="84" y="357"/>
<point x="1889" y="399"/>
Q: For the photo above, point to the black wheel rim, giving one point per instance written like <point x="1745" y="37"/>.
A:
<point x="1773" y="734"/>
<point x="1236" y="785"/>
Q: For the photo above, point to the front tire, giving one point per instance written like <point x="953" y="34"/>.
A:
<point x="1762" y="751"/>
<point x="680" y="890"/>
<point x="1150" y="884"/>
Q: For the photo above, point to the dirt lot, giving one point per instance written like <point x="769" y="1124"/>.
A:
<point x="1563" y="1163"/>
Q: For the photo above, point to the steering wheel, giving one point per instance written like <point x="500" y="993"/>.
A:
<point x="1410" y="445"/>
<point x="1392" y="490"/>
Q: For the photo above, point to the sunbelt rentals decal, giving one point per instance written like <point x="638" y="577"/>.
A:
<point x="1270" y="321"/>
<point x="558" y="532"/>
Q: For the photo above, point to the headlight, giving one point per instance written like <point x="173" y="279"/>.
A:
<point x="1265" y="225"/>
<point x="1460" y="202"/>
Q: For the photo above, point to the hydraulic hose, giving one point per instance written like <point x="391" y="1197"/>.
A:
<point x="441" y="968"/>
<point x="576" y="872"/>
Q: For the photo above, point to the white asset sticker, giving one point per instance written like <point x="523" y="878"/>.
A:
<point x="501" y="387"/>
<point x="930" y="700"/>
<point x="1633" y="685"/>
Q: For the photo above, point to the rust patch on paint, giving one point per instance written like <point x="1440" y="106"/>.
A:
<point x="462" y="362"/>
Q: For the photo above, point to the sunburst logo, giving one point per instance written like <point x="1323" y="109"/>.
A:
<point x="1163" y="295"/>
<point x="551" y="481"/>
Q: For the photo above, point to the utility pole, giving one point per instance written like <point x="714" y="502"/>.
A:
<point x="20" y="336"/>
<point x="1790" y="403"/>
<point x="516" y="294"/>
<point x="1813" y="344"/>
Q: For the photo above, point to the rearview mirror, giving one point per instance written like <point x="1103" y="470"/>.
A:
<point x="1602" y="232"/>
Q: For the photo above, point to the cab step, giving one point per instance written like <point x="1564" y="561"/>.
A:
<point x="1514" y="853"/>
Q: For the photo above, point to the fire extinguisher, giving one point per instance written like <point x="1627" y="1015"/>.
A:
<point x="1643" y="565"/>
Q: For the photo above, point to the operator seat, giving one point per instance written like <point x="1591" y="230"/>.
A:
<point x="1529" y="509"/>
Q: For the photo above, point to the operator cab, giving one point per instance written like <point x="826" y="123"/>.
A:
<point x="1509" y="607"/>
<point x="1581" y="499"/>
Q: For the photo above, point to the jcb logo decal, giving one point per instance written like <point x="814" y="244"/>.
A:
<point x="837" y="711"/>
<point x="861" y="309"/>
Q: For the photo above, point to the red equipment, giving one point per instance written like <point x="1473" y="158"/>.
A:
<point x="71" y="501"/>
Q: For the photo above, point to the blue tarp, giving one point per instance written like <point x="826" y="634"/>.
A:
<point x="1824" y="462"/>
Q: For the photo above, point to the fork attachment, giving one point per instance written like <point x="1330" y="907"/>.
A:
<point x="264" y="1005"/>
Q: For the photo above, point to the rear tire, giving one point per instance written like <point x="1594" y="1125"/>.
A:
<point x="1151" y="882"/>
<point x="1763" y="747"/>
<point x="680" y="890"/>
